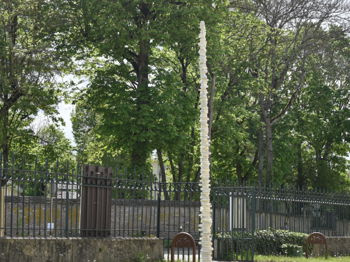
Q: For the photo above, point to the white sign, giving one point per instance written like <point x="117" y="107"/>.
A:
<point x="65" y="187"/>
<point x="67" y="191"/>
<point x="63" y="195"/>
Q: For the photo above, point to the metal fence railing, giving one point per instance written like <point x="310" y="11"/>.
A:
<point x="39" y="203"/>
<point x="46" y="203"/>
<point x="242" y="214"/>
<point x="254" y="208"/>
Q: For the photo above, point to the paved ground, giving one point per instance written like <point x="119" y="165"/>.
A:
<point x="181" y="255"/>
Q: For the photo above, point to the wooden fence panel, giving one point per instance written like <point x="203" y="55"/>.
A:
<point x="96" y="201"/>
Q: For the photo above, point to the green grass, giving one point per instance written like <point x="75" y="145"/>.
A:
<point x="260" y="258"/>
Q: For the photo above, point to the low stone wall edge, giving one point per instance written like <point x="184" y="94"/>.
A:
<point x="79" y="249"/>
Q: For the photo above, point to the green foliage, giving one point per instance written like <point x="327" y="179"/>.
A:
<point x="316" y="127"/>
<point x="278" y="91"/>
<point x="147" y="72"/>
<point x="270" y="242"/>
<point x="142" y="258"/>
<point x="43" y="148"/>
<point x="46" y="151"/>
<point x="28" y="66"/>
<point x="143" y="91"/>
<point x="292" y="250"/>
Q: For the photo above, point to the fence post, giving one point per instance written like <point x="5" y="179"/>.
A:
<point x="2" y="209"/>
<point x="214" y="240"/>
<point x="2" y="198"/>
<point x="158" y="209"/>
<point x="253" y="220"/>
<point x="66" y="228"/>
<point x="214" y="217"/>
<point x="253" y="209"/>
<point x="96" y="202"/>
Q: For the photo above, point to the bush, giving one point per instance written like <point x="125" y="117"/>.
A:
<point x="292" y="250"/>
<point x="267" y="242"/>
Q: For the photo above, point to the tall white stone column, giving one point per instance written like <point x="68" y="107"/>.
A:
<point x="206" y="219"/>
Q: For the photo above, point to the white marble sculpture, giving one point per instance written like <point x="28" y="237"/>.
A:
<point x="206" y="219"/>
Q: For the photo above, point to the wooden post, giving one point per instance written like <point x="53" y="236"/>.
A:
<point x="96" y="202"/>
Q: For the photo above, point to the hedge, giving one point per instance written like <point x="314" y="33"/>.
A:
<point x="268" y="242"/>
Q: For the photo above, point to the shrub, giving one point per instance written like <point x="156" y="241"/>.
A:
<point x="292" y="250"/>
<point x="267" y="242"/>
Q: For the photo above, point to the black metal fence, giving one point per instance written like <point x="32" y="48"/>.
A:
<point x="50" y="202"/>
<point x="39" y="202"/>
<point x="254" y="208"/>
<point x="47" y="203"/>
<point x="239" y="213"/>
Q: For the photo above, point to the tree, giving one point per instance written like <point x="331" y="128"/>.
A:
<point x="292" y="33"/>
<point x="259" y="64"/>
<point x="128" y="69"/>
<point x="53" y="145"/>
<point x="45" y="151"/>
<point x="133" y="105"/>
<point x="235" y="121"/>
<point x="322" y="113"/>
<point x="83" y="124"/>
<point x="27" y="67"/>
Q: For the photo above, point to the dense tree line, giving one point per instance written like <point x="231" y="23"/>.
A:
<point x="278" y="85"/>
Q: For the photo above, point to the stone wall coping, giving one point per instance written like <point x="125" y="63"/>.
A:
<point x="81" y="238"/>
<point x="348" y="237"/>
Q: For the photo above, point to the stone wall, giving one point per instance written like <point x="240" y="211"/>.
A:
<point x="338" y="246"/>
<point x="79" y="249"/>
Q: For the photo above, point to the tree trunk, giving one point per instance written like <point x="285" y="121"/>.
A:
<point x="162" y="173"/>
<point x="261" y="156"/>
<point x="239" y="171"/>
<point x="139" y="156"/>
<point x="211" y="103"/>
<point x="318" y="168"/>
<point x="300" y="173"/>
<point x="321" y="168"/>
<point x="191" y="156"/>
<point x="269" y="153"/>
<point x="4" y="165"/>
<point x="5" y="147"/>
<point x="172" y="167"/>
<point x="140" y="149"/>
<point x="180" y="176"/>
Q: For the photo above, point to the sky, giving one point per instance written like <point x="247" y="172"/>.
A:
<point x="65" y="111"/>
